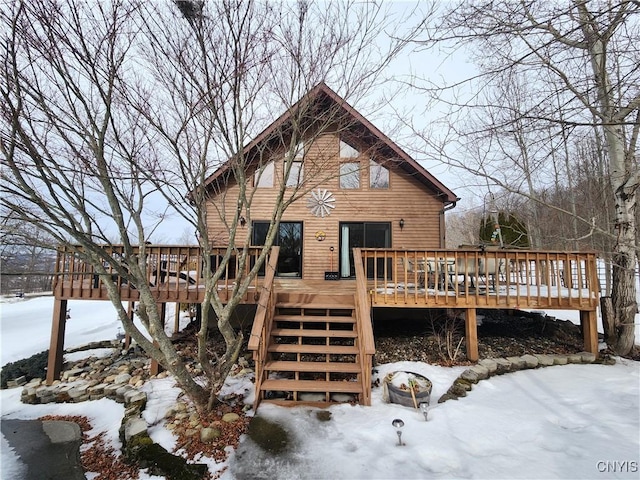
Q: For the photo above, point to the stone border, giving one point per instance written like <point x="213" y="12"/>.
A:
<point x="489" y="367"/>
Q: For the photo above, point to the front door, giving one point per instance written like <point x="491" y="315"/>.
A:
<point x="361" y="235"/>
<point x="289" y="238"/>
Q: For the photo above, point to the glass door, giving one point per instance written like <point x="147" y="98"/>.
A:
<point x="363" y="235"/>
<point x="289" y="238"/>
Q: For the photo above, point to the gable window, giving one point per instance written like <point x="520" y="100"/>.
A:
<point x="350" y="175"/>
<point x="378" y="175"/>
<point x="296" y="174"/>
<point x="263" y="177"/>
<point x="347" y="151"/>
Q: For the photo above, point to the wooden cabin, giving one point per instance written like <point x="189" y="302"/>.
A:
<point x="363" y="191"/>
<point x="368" y="232"/>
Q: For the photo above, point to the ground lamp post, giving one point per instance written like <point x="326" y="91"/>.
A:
<point x="424" y="407"/>
<point x="398" y="424"/>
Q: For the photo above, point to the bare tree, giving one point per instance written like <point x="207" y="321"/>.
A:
<point x="108" y="107"/>
<point x="581" y="65"/>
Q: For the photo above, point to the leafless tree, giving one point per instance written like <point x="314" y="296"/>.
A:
<point x="576" y="66"/>
<point x="107" y="107"/>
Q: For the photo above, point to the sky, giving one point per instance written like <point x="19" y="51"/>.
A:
<point x="561" y="422"/>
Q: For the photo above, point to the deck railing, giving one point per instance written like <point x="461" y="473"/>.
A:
<point x="484" y="278"/>
<point x="263" y="322"/>
<point x="174" y="273"/>
<point x="366" y="341"/>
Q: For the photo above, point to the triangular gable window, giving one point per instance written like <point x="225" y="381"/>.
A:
<point x="347" y="151"/>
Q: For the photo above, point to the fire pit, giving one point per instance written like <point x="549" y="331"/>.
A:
<point x="406" y="388"/>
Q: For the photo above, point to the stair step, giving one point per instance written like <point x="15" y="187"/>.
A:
<point x="316" y="306"/>
<point x="317" y="349"/>
<point x="310" y="386"/>
<point x="333" y="367"/>
<point x="313" y="318"/>
<point x="299" y="332"/>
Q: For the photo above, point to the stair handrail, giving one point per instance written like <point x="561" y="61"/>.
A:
<point x="263" y="321"/>
<point x="366" y="343"/>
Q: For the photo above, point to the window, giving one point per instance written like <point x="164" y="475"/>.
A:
<point x="296" y="175"/>
<point x="299" y="155"/>
<point x="350" y="175"/>
<point x="264" y="176"/>
<point x="378" y="175"/>
<point x="347" y="151"/>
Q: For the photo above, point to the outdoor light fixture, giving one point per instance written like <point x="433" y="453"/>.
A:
<point x="243" y="221"/>
<point x="424" y="407"/>
<point x="398" y="424"/>
<point x="401" y="223"/>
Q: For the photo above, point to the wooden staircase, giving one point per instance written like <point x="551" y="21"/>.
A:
<point x="312" y="352"/>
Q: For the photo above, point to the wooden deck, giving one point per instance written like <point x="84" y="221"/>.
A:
<point x="299" y="321"/>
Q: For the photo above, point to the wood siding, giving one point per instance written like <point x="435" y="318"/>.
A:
<point x="406" y="198"/>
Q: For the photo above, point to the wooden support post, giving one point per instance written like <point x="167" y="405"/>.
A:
<point x="156" y="368"/>
<point x="127" y="337"/>
<point x="471" y="332"/>
<point x="56" y="346"/>
<point x="176" y="321"/>
<point x="589" y="330"/>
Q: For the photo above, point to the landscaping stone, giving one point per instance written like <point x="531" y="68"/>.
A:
<point x="482" y="371"/>
<point x="122" y="378"/>
<point x="517" y="363"/>
<point x="470" y="376"/>
<point x="230" y="417"/>
<point x="544" y="360"/>
<point x="574" y="358"/>
<point x="490" y="364"/>
<point x="75" y="372"/>
<point x="530" y="361"/>
<point x="133" y="427"/>
<point x="502" y="366"/>
<point x="560" y="360"/>
<point x="587" y="357"/>
<point x="208" y="434"/>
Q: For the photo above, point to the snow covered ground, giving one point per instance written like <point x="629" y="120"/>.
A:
<point x="574" y="421"/>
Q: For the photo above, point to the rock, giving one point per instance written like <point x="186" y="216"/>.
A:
<point x="135" y="397"/>
<point x="560" y="360"/>
<point x="544" y="360"/>
<point x="489" y="364"/>
<point x="587" y="357"/>
<point x="457" y="390"/>
<point x="134" y="426"/>
<point x="122" y="378"/>
<point x="230" y="417"/>
<point x="482" y="371"/>
<point x="462" y="383"/>
<point x="517" y="363"/>
<point x="97" y="389"/>
<point x="75" y="372"/>
<point x="574" y="358"/>
<point x="208" y="434"/>
<point x="530" y="361"/>
<point x="447" y="396"/>
<point x="502" y="366"/>
<point x="470" y="376"/>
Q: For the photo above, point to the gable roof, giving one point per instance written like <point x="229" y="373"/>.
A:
<point x="322" y="95"/>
